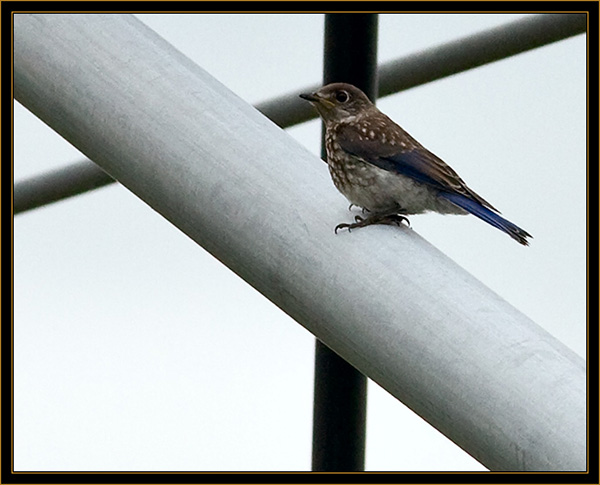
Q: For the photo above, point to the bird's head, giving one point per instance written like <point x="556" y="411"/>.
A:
<point x="339" y="102"/>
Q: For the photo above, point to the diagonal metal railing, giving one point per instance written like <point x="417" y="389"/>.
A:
<point x="473" y="366"/>
<point x="394" y="76"/>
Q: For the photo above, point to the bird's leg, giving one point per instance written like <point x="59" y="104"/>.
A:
<point x="377" y="218"/>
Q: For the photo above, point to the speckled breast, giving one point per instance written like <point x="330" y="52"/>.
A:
<point x="355" y="179"/>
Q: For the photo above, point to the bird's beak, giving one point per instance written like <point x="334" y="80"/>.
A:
<point x="310" y="97"/>
<point x="317" y="100"/>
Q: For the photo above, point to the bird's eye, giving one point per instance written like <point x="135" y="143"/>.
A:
<point x="342" y="96"/>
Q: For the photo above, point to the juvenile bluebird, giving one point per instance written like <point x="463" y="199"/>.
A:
<point x="378" y="166"/>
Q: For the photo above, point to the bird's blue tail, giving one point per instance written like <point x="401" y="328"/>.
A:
<point x="488" y="216"/>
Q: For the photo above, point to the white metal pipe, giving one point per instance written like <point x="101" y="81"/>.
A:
<point x="387" y="301"/>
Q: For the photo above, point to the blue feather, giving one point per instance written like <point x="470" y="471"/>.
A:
<point x="411" y="163"/>
<point x="488" y="216"/>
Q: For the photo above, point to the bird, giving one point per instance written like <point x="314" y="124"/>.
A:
<point x="379" y="167"/>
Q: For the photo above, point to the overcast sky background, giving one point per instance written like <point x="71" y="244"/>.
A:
<point x="136" y="350"/>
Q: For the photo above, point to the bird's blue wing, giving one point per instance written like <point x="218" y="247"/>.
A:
<point x="420" y="166"/>
<point x="411" y="160"/>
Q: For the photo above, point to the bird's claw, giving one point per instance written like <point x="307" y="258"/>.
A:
<point x="394" y="218"/>
<point x="397" y="219"/>
<point x="341" y="226"/>
<point x="363" y="209"/>
<point x="348" y="226"/>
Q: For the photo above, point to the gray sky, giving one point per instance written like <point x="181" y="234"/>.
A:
<point x="135" y="349"/>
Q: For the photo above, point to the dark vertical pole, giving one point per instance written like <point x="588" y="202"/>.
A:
<point x="340" y="403"/>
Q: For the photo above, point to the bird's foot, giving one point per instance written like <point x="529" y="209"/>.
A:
<point x="390" y="219"/>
